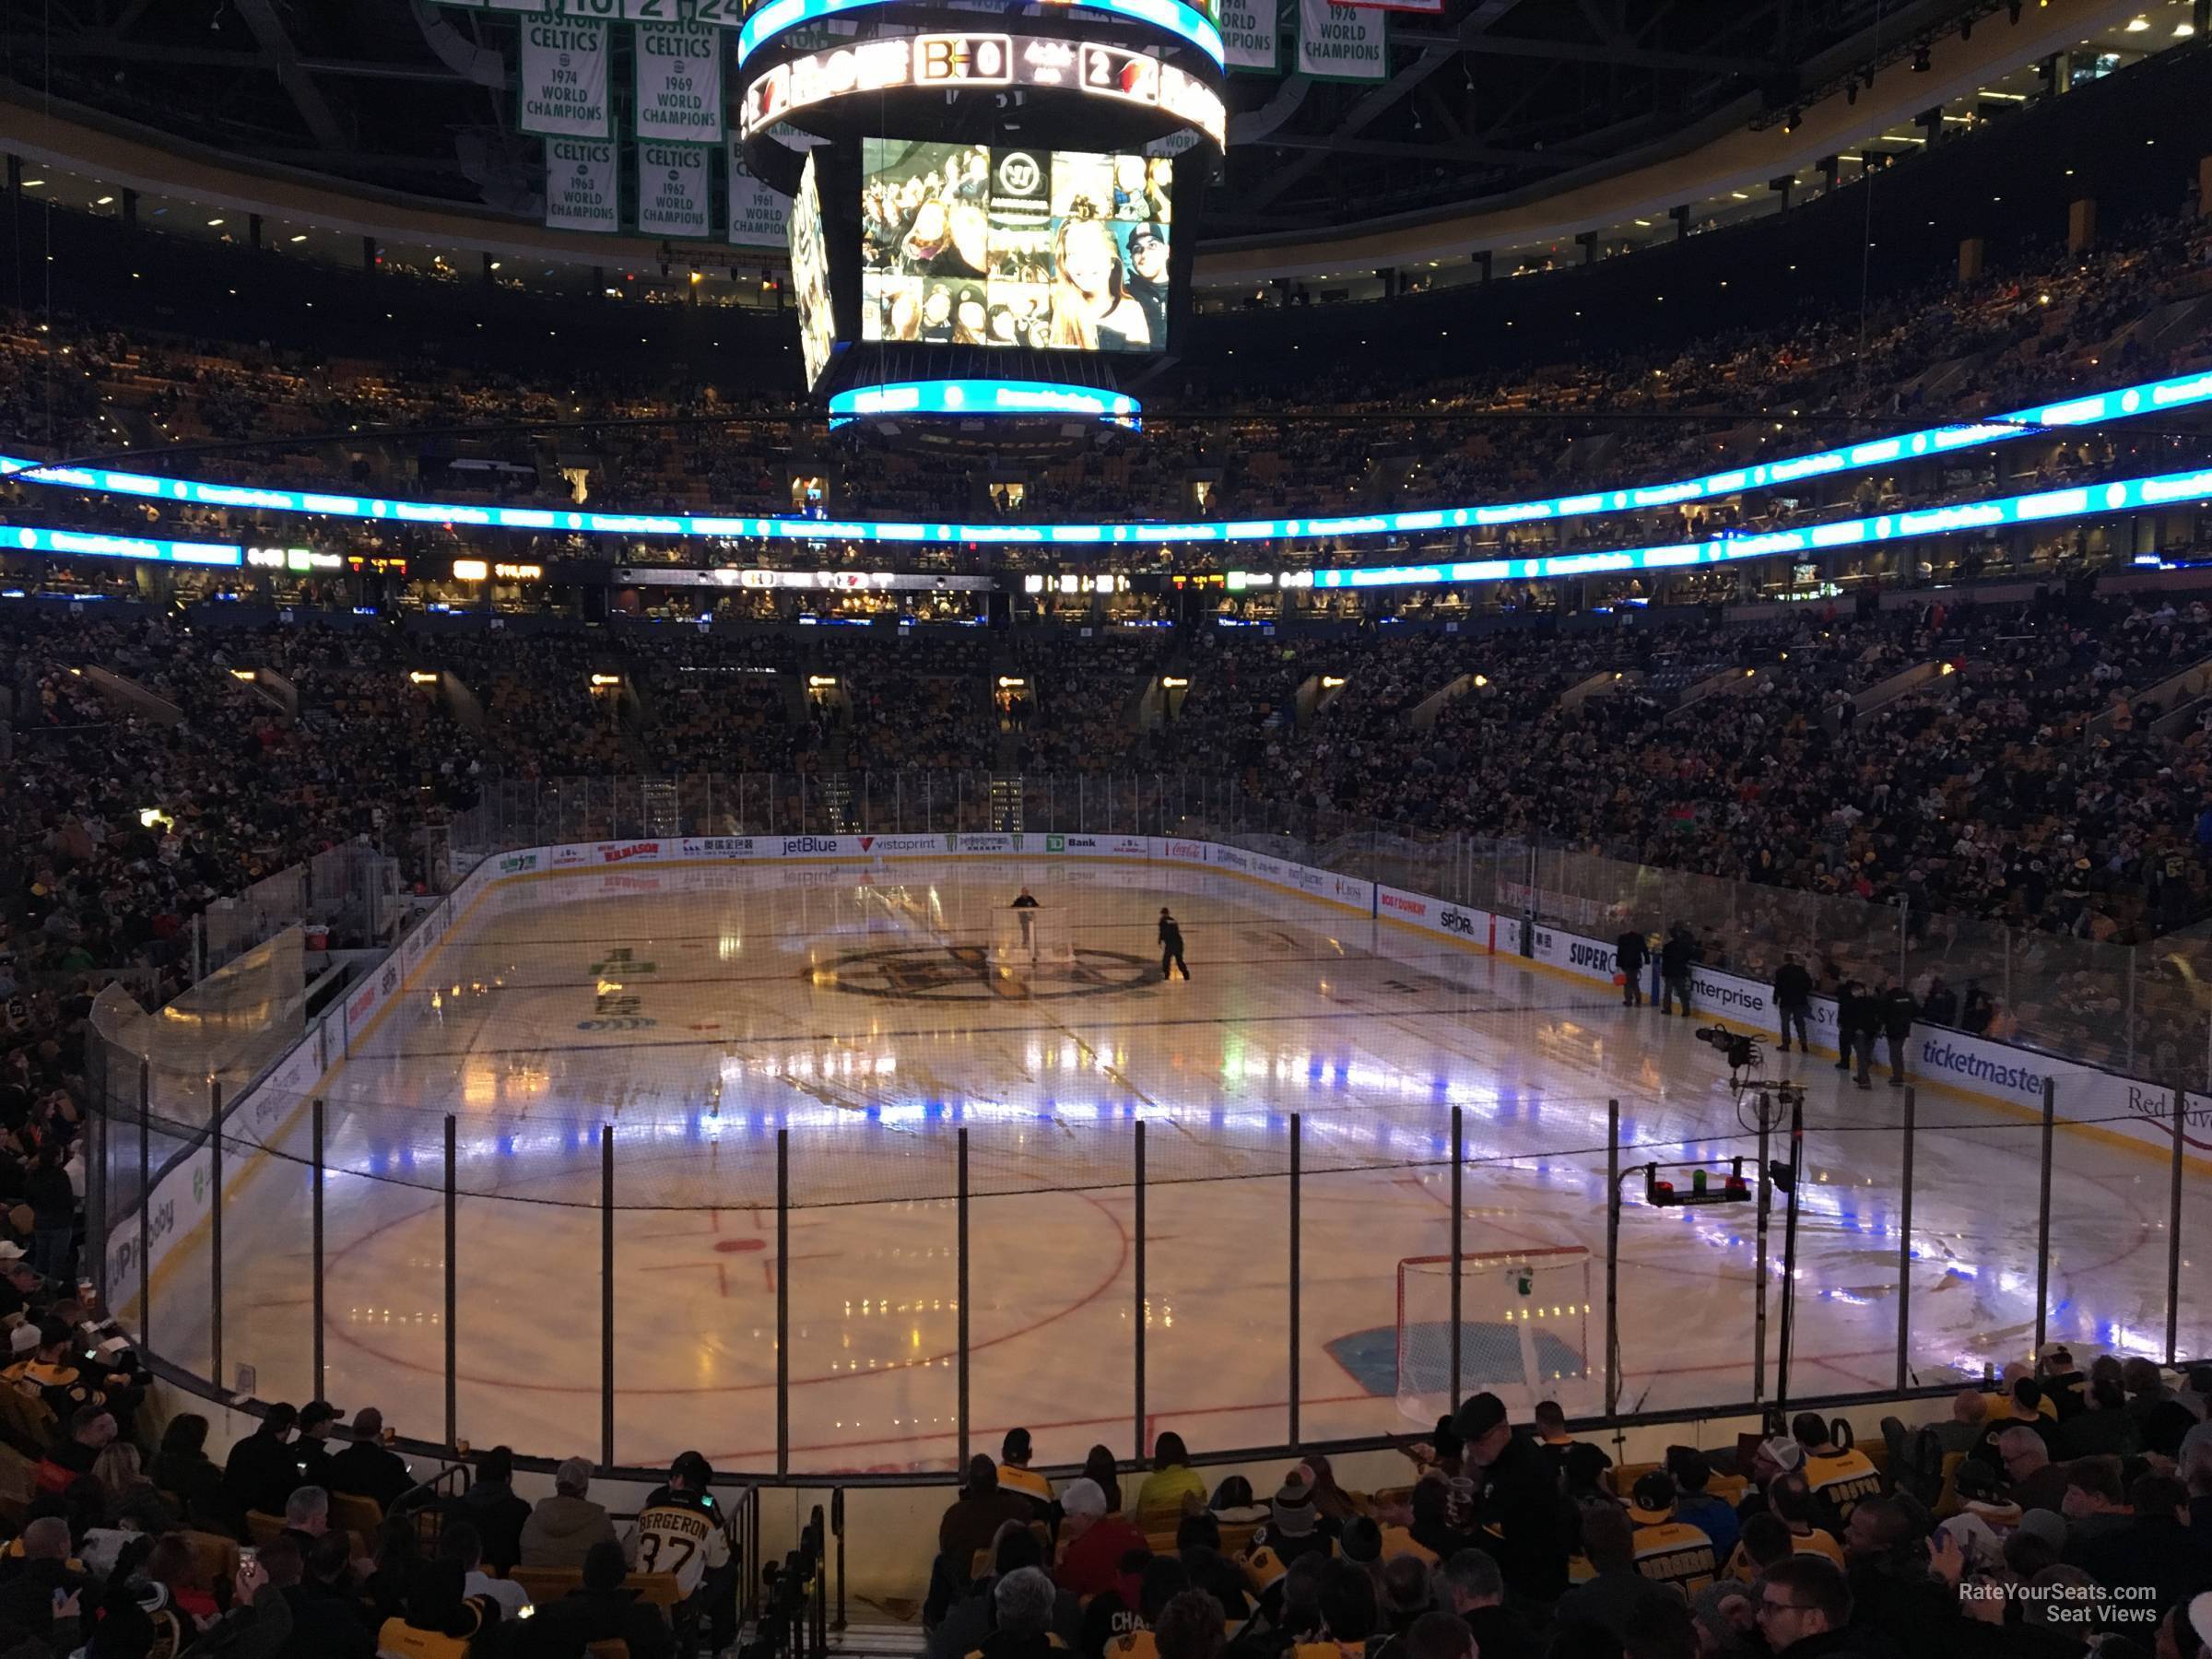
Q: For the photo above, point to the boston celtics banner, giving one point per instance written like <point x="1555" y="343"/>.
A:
<point x="672" y="190"/>
<point x="679" y="82"/>
<point x="758" y="214"/>
<point x="564" y="78"/>
<point x="1248" y="35"/>
<point x="1342" y="42"/>
<point x="584" y="188"/>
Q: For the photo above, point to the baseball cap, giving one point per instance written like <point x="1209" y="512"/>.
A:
<point x="1146" y="232"/>
<point x="2047" y="1524"/>
<point x="315" y="1413"/>
<point x="2200" y="1618"/>
<point x="1361" y="1540"/>
<point x="11" y="1252"/>
<point x="1783" y="1453"/>
<point x="1015" y="1447"/>
<point x="692" y="1468"/>
<point x="1478" y="1415"/>
<point x="24" y="1339"/>
<point x="1652" y="1499"/>
<point x="2054" y="1351"/>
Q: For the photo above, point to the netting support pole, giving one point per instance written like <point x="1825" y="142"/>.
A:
<point x="606" y="1295"/>
<point x="2042" y="1218"/>
<point x="782" y="1301"/>
<point x="960" y="1266"/>
<point x="1904" y="1250"/>
<point x="215" y="1231"/>
<point x="1612" y="1260"/>
<point x="453" y="1281"/>
<point x="1459" y="1154"/>
<point x="318" y="1130"/>
<point x="1298" y="1279"/>
<point x="1138" y="1371"/>
<point x="2173" y="1229"/>
<point x="146" y="1206"/>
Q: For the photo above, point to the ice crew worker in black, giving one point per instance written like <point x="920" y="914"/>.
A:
<point x="1630" y="952"/>
<point x="1025" y="902"/>
<point x="1171" y="946"/>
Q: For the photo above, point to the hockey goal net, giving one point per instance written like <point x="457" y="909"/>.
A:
<point x="1527" y="1324"/>
<point x="1032" y="937"/>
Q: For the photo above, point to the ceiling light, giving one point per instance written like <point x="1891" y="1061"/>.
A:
<point x="300" y="238"/>
<point x="213" y="223"/>
<point x="102" y="201"/>
<point x="2137" y="25"/>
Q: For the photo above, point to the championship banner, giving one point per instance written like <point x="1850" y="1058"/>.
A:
<point x="1342" y="42"/>
<point x="1434" y="9"/>
<point x="564" y="80"/>
<point x="672" y="191"/>
<point x="584" y="188"/>
<point x="1249" y="37"/>
<point x="758" y="216"/>
<point x="679" y="82"/>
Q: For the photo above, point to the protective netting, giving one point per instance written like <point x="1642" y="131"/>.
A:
<point x="1528" y="1320"/>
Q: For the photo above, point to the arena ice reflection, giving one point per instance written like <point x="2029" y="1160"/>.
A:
<point x="835" y="1189"/>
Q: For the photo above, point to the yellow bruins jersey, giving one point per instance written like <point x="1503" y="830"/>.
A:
<point x="679" y="1538"/>
<point x="1844" y="1478"/>
<point x="1674" y="1552"/>
<point x="1012" y="1478"/>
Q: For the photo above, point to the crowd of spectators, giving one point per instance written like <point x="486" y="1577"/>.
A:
<point x="2053" y="324"/>
<point x="1989" y="782"/>
<point x="2066" y="1512"/>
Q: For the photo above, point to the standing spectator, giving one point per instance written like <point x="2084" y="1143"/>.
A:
<point x="1794" y="1000"/>
<point x="1517" y="1498"/>
<point x="1674" y="959"/>
<point x="1632" y="952"/>
<point x="1898" y="1011"/>
<point x="54" y="1213"/>
<point x="564" y="1529"/>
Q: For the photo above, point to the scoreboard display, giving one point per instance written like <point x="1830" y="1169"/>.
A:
<point x="984" y="60"/>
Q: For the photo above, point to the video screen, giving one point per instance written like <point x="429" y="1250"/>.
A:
<point x="810" y="276"/>
<point x="973" y="244"/>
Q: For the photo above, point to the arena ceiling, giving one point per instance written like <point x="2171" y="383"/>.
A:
<point x="1490" y="100"/>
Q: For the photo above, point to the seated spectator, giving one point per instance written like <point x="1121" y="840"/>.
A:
<point x="969" y="1525"/>
<point x="2103" y="1427"/>
<point x="498" y="1513"/>
<point x="606" y="1608"/>
<point x="1668" y="1550"/>
<point x="1093" y="1540"/>
<point x="1098" y="1467"/>
<point x="367" y="1468"/>
<point x="2161" y="1420"/>
<point x="1840" y="1475"/>
<point x="1475" y="1590"/>
<point x="307" y="1516"/>
<point x="1805" y="1606"/>
<point x="681" y="1529"/>
<point x="187" y="1600"/>
<point x="1292" y="1529"/>
<point x="1797" y="1506"/>
<point x="1022" y="1601"/>
<point x="440" y="1620"/>
<point x="1190" y="1626"/>
<point x="182" y="1469"/>
<point x="2063" y="1385"/>
<point x="1348" y="1611"/>
<point x="1692" y="1470"/>
<point x="321" y="1624"/>
<point x="1172" y="1489"/>
<point x="970" y="1618"/>
<point x="90" y="1430"/>
<point x="1198" y="1547"/>
<point x="41" y="1590"/>
<point x="1016" y="1475"/>
<point x="2031" y="1480"/>
<point x="563" y="1529"/>
<point x="2153" y="1551"/>
<point x="263" y="1470"/>
<point x="1616" y="1588"/>
<point x="461" y="1543"/>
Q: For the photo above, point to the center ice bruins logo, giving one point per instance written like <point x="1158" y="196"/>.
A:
<point x="967" y="974"/>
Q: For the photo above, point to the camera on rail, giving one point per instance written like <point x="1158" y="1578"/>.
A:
<point x="1741" y="1052"/>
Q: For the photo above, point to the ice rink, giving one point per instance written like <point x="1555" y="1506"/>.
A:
<point x="700" y="1009"/>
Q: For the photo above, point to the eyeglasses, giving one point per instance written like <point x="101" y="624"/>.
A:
<point x="1766" y="1607"/>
